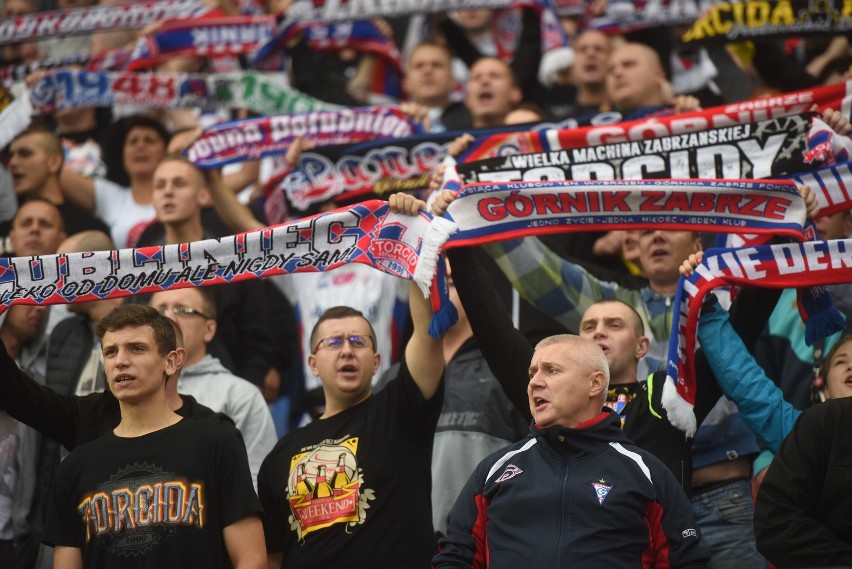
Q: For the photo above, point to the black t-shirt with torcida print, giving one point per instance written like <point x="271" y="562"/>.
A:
<point x="156" y="501"/>
<point x="353" y="490"/>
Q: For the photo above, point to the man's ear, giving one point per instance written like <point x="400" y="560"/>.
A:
<point x="172" y="363"/>
<point x="181" y="358"/>
<point x="312" y="363"/>
<point x="209" y="331"/>
<point x="204" y="197"/>
<point x="642" y="347"/>
<point x="516" y="96"/>
<point x="597" y="385"/>
<point x="54" y="163"/>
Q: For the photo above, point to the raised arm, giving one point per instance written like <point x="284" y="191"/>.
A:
<point x="506" y="350"/>
<point x="236" y="216"/>
<point x="424" y="354"/>
<point x="51" y="414"/>
<point x="77" y="188"/>
<point x="760" y="402"/>
<point x="558" y="287"/>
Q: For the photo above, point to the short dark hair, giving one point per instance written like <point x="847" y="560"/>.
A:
<point x="53" y="144"/>
<point x="36" y="199"/>
<point x="515" y="82"/>
<point x="336" y="313"/>
<point x="208" y="301"/>
<point x="142" y="121"/>
<point x="639" y="324"/>
<point x="137" y="315"/>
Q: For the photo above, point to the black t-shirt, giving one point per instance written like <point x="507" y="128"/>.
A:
<point x="159" y="500"/>
<point x="353" y="490"/>
<point x="79" y="219"/>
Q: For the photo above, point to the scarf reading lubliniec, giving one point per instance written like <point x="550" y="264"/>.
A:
<point x="788" y="265"/>
<point x="369" y="233"/>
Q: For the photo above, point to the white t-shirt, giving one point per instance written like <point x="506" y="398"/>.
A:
<point x="381" y="297"/>
<point x="126" y="218"/>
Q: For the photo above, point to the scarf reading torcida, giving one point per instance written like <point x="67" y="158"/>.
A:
<point x="807" y="265"/>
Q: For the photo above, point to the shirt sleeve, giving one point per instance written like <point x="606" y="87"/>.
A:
<point x="416" y="412"/>
<point x="555" y="286"/>
<point x="62" y="522"/>
<point x="237" y="497"/>
<point x="760" y="402"/>
<point x="675" y="540"/>
<point x="51" y="414"/>
<point x="271" y="485"/>
<point x="465" y="544"/>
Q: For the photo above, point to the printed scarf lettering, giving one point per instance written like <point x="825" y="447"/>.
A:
<point x="266" y="93"/>
<point x="95" y="18"/>
<point x="368" y="233"/>
<point x="796" y="265"/>
<point x="753" y="150"/>
<point x="251" y="139"/>
<point x="485" y="213"/>
<point x="755" y="19"/>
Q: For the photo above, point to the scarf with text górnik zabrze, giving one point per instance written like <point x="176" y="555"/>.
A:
<point x="805" y="266"/>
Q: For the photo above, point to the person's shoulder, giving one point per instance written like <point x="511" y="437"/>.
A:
<point x="192" y="409"/>
<point x="500" y="456"/>
<point x="831" y="411"/>
<point x="278" y="459"/>
<point x="651" y="467"/>
<point x="212" y="431"/>
<point x="88" y="451"/>
<point x="104" y="185"/>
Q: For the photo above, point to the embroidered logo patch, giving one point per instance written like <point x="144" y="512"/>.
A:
<point x="601" y="490"/>
<point x="510" y="472"/>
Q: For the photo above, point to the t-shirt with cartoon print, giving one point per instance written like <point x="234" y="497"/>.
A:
<point x="353" y="490"/>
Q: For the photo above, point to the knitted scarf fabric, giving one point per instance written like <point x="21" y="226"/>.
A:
<point x="369" y="233"/>
<point x="252" y="139"/>
<point x="265" y="93"/>
<point x="798" y="265"/>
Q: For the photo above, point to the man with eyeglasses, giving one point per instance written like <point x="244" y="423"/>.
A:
<point x="352" y="489"/>
<point x="205" y="378"/>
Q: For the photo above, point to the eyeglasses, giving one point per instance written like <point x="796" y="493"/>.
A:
<point x="183" y="311"/>
<point x="336" y="342"/>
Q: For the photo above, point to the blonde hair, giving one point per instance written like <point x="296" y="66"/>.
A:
<point x="587" y="354"/>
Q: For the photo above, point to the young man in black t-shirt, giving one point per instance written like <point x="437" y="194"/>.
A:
<point x="158" y="490"/>
<point x="352" y="489"/>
